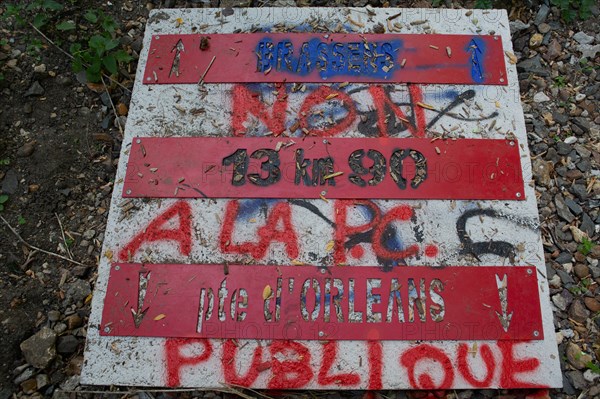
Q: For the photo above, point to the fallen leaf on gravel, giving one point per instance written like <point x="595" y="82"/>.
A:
<point x="511" y="57"/>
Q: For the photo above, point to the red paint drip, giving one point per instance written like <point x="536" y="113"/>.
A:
<point x="357" y="252"/>
<point x="176" y="361"/>
<point x="155" y="231"/>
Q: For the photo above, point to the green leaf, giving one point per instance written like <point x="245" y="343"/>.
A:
<point x="21" y="220"/>
<point x="111" y="44"/>
<point x="52" y="5"/>
<point x="110" y="63"/>
<point x="39" y="20"/>
<point x="122" y="56"/>
<point x="3" y="198"/>
<point x="93" y="72"/>
<point x="91" y="16"/>
<point x="75" y="48"/>
<point x="66" y="25"/>
<point x="109" y="25"/>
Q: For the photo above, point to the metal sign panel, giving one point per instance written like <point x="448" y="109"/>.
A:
<point x="310" y="303"/>
<point x="331" y="57"/>
<point x="336" y="234"/>
<point x="314" y="167"/>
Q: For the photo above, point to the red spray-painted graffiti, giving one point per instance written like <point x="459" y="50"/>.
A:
<point x="290" y="365"/>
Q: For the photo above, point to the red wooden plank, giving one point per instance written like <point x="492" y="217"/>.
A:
<point x="336" y="303"/>
<point x="386" y="168"/>
<point x="332" y="57"/>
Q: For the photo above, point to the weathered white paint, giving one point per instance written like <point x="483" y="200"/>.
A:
<point x="141" y="361"/>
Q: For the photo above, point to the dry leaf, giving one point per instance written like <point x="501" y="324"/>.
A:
<point x="511" y="57"/>
<point x="267" y="292"/>
<point x="329" y="246"/>
<point x="578" y="235"/>
<point x="109" y="254"/>
<point x="160" y="317"/>
<point x="297" y="262"/>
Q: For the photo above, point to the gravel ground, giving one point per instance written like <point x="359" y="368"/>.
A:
<point x="60" y="142"/>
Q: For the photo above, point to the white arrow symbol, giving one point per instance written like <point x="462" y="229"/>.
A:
<point x="505" y="317"/>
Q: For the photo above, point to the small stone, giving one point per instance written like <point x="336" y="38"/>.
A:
<point x="559" y="301"/>
<point x="29" y="386"/>
<point x="35" y="90"/>
<point x="40" y="68"/>
<point x="542" y="172"/>
<point x="564" y="257"/>
<point x="587" y="225"/>
<point x="39" y="350"/>
<point x="542" y="14"/>
<point x="25" y="375"/>
<point x="530" y="65"/>
<point x="78" y="290"/>
<point x="576" y="357"/>
<point x="562" y="209"/>
<point x="89" y="234"/>
<point x="26" y="149"/>
<point x="536" y="40"/>
<point x="579" y="97"/>
<point x="591" y="376"/>
<point x="577" y="379"/>
<point x="570" y="140"/>
<point x="592" y="304"/>
<point x="573" y="206"/>
<point x="67" y="344"/>
<point x="122" y="109"/>
<point x="588" y="51"/>
<point x="10" y="183"/>
<point x="581" y="270"/>
<point x="517" y="26"/>
<point x="42" y="381"/>
<point x="553" y="51"/>
<point x="74" y="321"/>
<point x="27" y="108"/>
<point x="578" y="312"/>
<point x="54" y="315"/>
<point x="583" y="38"/>
<point x="540" y="97"/>
<point x="544" y="28"/>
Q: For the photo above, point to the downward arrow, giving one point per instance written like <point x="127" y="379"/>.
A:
<point x="476" y="71"/>
<point x="505" y="317"/>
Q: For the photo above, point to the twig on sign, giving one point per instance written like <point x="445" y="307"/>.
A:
<point x="206" y="71"/>
<point x="28" y="245"/>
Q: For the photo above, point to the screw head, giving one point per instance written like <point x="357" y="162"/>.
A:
<point x="518" y="195"/>
<point x="128" y="192"/>
<point x="322" y="271"/>
<point x="157" y="37"/>
<point x="107" y="329"/>
<point x="529" y="271"/>
<point x="536" y="333"/>
<point x="138" y="141"/>
<point x="117" y="267"/>
<point x="321" y="333"/>
<point x="501" y="80"/>
<point x="323" y="192"/>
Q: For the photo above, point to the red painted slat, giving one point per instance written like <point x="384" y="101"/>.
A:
<point x="336" y="303"/>
<point x="319" y="58"/>
<point x="385" y="168"/>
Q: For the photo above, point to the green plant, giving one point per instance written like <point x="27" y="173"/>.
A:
<point x="570" y="9"/>
<point x="586" y="246"/>
<point x="593" y="366"/>
<point x="39" y="10"/>
<point x="560" y="81"/>
<point x="484" y="3"/>
<point x="21" y="220"/>
<point x="3" y="199"/>
<point x="100" y="54"/>
<point x="4" y="161"/>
